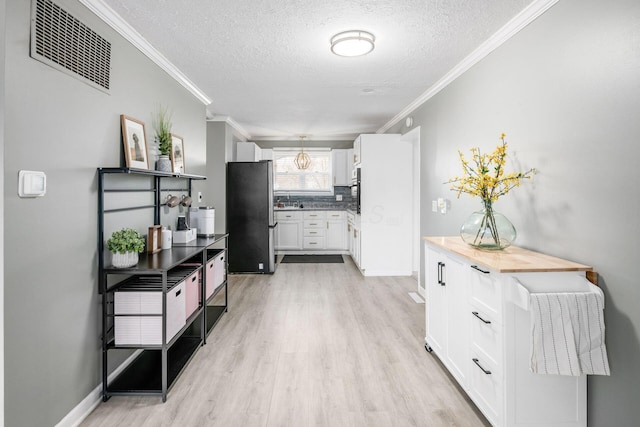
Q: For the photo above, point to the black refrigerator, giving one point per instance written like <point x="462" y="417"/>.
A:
<point x="250" y="222"/>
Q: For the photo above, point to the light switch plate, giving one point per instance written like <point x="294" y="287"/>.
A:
<point x="32" y="183"/>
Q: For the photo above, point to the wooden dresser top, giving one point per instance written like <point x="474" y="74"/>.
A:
<point x="510" y="260"/>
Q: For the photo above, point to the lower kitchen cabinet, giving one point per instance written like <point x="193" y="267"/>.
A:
<point x="483" y="338"/>
<point x="336" y="232"/>
<point x="289" y="230"/>
<point x="311" y="231"/>
<point x="353" y="237"/>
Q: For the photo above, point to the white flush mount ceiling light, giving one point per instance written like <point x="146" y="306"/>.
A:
<point x="352" y="43"/>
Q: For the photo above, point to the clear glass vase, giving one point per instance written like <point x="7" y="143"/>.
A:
<point x="488" y="229"/>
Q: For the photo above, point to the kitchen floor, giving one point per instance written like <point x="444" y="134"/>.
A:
<point x="311" y="345"/>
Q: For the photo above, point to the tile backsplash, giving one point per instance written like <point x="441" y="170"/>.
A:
<point x="320" y="202"/>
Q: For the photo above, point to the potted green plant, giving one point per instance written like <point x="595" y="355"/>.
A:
<point x="162" y="126"/>
<point x="124" y="246"/>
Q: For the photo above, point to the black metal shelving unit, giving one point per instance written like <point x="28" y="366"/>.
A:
<point x="157" y="367"/>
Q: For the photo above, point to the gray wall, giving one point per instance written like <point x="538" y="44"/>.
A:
<point x="60" y="125"/>
<point x="221" y="139"/>
<point x="566" y="90"/>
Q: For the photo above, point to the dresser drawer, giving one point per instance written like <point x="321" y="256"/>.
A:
<point x="314" y="215"/>
<point x="486" y="386"/>
<point x="486" y="334"/>
<point x="485" y="291"/>
<point x="315" y="223"/>
<point x="313" y="243"/>
<point x="314" y="232"/>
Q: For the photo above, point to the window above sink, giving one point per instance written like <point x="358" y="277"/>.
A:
<point x="289" y="180"/>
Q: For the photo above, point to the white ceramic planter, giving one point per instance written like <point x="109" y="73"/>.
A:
<point x="125" y="260"/>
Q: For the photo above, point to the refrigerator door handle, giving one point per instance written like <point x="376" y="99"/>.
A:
<point x="274" y="225"/>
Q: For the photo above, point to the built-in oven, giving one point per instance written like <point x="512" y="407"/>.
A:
<point x="356" y="188"/>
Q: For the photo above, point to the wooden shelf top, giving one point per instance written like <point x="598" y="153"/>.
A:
<point x="510" y="260"/>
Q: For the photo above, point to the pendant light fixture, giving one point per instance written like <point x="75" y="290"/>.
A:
<point x="352" y="43"/>
<point x="302" y="160"/>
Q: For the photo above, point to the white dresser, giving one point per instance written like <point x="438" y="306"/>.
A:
<point x="483" y="338"/>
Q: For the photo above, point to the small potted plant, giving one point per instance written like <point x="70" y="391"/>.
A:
<point x="124" y="246"/>
<point x="162" y="126"/>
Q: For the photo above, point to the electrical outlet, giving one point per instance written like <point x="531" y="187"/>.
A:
<point x="434" y="206"/>
<point x="260" y="266"/>
<point x="338" y="197"/>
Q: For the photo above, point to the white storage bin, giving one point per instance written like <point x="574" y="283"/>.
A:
<point x="147" y="330"/>
<point x="216" y="272"/>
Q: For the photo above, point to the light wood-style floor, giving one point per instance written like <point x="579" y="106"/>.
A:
<point x="311" y="345"/>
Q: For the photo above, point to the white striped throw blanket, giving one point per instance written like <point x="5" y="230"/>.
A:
<point x="567" y="333"/>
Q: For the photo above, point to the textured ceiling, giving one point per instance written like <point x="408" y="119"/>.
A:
<point x="267" y="64"/>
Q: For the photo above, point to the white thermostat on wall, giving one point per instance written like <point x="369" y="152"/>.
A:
<point x="32" y="184"/>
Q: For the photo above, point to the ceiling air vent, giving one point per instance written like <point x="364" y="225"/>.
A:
<point x="58" y="39"/>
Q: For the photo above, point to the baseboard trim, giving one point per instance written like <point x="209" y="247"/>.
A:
<point x="91" y="402"/>
<point x="371" y="273"/>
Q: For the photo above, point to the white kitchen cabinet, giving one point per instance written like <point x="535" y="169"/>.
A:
<point x="288" y="234"/>
<point x="336" y="231"/>
<point x="267" y="153"/>
<point x="342" y="166"/>
<point x="357" y="144"/>
<point x="248" y="152"/>
<point x="314" y="223"/>
<point x="356" y="239"/>
<point x="483" y="338"/>
<point x="447" y="287"/>
<point x="311" y="231"/>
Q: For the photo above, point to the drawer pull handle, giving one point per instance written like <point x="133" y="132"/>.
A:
<point x="193" y="279"/>
<point x="477" y="362"/>
<point x="313" y="223"/>
<point x="179" y="292"/>
<point x="475" y="267"/>
<point x="486" y="322"/>
<point x="440" y="274"/>
<point x="312" y="243"/>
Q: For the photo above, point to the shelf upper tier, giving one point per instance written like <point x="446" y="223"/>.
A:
<point x="150" y="172"/>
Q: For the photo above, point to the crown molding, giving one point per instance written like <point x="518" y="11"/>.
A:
<point x="115" y="21"/>
<point x="511" y="28"/>
<point x="332" y="138"/>
<point x="235" y="125"/>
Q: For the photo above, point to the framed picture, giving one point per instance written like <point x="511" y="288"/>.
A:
<point x="177" y="154"/>
<point x="135" y="143"/>
<point x="154" y="239"/>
